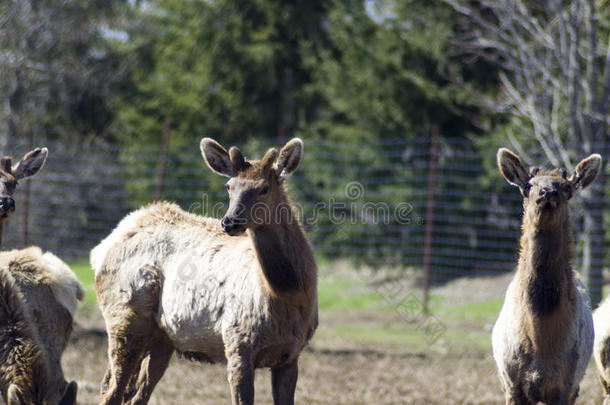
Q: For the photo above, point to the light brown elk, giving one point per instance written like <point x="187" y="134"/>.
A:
<point x="39" y="295"/>
<point x="543" y="338"/>
<point x="10" y="174"/>
<point x="242" y="289"/>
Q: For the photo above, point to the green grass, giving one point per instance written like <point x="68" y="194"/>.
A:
<point x="343" y="294"/>
<point x="87" y="277"/>
<point x="477" y="311"/>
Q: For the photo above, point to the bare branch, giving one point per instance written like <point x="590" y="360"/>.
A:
<point x="517" y="146"/>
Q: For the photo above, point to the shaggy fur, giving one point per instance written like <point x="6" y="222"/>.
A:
<point x="168" y="280"/>
<point x="21" y="360"/>
<point x="601" y="348"/>
<point x="39" y="296"/>
<point x="543" y="338"/>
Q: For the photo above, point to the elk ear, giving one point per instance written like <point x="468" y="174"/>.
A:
<point x="268" y="160"/>
<point x="237" y="159"/>
<point x="69" y="397"/>
<point x="14" y="395"/>
<point x="586" y="171"/>
<point x="511" y="168"/>
<point x="217" y="157"/>
<point x="31" y="163"/>
<point x="6" y="164"/>
<point x="290" y="157"/>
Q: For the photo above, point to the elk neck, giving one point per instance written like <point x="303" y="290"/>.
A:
<point x="545" y="270"/>
<point x="284" y="252"/>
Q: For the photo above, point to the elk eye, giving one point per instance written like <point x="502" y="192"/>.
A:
<point x="265" y="190"/>
<point x="228" y="187"/>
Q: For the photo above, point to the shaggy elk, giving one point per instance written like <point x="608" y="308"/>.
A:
<point x="242" y="289"/>
<point x="39" y="295"/>
<point x="543" y="338"/>
<point x="601" y="348"/>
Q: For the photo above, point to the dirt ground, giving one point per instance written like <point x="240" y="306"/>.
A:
<point x="331" y="372"/>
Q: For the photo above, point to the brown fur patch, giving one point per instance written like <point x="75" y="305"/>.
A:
<point x="50" y="321"/>
<point x="277" y="267"/>
<point x="21" y="360"/>
<point x="255" y="170"/>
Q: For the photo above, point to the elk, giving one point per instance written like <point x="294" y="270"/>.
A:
<point x="543" y="338"/>
<point x="31" y="164"/>
<point x="39" y="295"/>
<point x="241" y="290"/>
<point x="601" y="347"/>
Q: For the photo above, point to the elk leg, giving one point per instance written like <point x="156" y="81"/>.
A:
<point x="132" y="386"/>
<point x="517" y="398"/>
<point x="152" y="368"/>
<point x="284" y="383"/>
<point x="124" y="355"/>
<point x="106" y="381"/>
<point x="240" y="370"/>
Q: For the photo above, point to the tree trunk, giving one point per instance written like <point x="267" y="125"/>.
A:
<point x="594" y="239"/>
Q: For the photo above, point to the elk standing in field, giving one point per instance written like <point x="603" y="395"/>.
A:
<point x="241" y="289"/>
<point x="39" y="295"/>
<point x="543" y="338"/>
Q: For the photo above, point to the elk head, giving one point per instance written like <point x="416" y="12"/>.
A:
<point x="546" y="193"/>
<point x="254" y="186"/>
<point x="10" y="175"/>
<point x="20" y="396"/>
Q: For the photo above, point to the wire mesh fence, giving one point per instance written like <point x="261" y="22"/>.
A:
<point x="368" y="202"/>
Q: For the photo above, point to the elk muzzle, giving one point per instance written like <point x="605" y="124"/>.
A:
<point x="7" y="205"/>
<point x="547" y="198"/>
<point x="233" y="225"/>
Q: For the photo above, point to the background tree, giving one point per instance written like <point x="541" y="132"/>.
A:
<point x="57" y="68"/>
<point x="59" y="71"/>
<point x="388" y="75"/>
<point x="227" y="69"/>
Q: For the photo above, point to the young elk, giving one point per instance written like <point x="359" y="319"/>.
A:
<point x="31" y="164"/>
<point x="39" y="295"/>
<point x="543" y="338"/>
<point x="241" y="289"/>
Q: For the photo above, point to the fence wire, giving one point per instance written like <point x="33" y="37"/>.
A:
<point x="365" y="202"/>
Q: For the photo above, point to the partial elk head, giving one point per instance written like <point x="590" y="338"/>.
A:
<point x="546" y="193"/>
<point x="20" y="396"/>
<point x="253" y="185"/>
<point x="10" y="174"/>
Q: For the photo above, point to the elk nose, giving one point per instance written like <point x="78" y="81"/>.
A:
<point x="547" y="192"/>
<point x="228" y="224"/>
<point x="7" y="204"/>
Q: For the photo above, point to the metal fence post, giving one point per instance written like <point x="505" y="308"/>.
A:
<point x="430" y="216"/>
